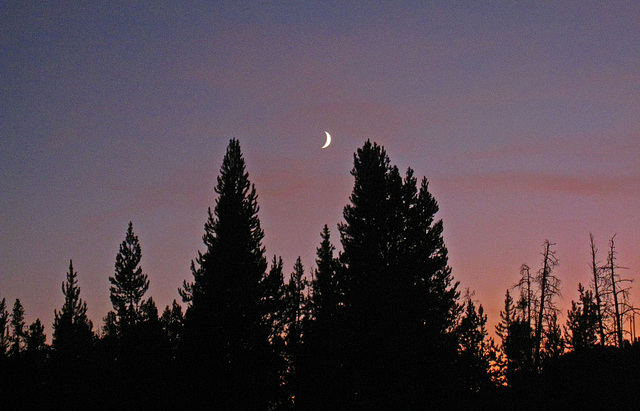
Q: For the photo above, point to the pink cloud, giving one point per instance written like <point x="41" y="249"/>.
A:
<point x="599" y="185"/>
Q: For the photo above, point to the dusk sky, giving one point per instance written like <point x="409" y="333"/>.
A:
<point x="524" y="116"/>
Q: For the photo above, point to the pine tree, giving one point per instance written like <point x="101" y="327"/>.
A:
<point x="517" y="342"/>
<point x="554" y="343"/>
<point x="367" y="227"/>
<point x="149" y="311"/>
<point x="507" y="317"/>
<point x="273" y="301"/>
<point x="224" y="321"/>
<point x="326" y="290"/>
<point x="398" y="289"/>
<point x="274" y="306"/>
<point x="18" y="332"/>
<point x="474" y="347"/>
<point x="321" y="353"/>
<point x="72" y="330"/>
<point x="110" y="325"/>
<point x="296" y="319"/>
<point x="35" y="338"/>
<point x="129" y="284"/>
<point x="228" y="273"/>
<point x="5" y="338"/>
<point x="295" y="303"/>
<point x="582" y="321"/>
<point x="367" y="237"/>
<point x="172" y="321"/>
<point x="426" y="257"/>
<point x="149" y="342"/>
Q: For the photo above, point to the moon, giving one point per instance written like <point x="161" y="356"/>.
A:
<point x="328" y="140"/>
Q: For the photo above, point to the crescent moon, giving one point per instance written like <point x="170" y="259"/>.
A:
<point x="328" y="140"/>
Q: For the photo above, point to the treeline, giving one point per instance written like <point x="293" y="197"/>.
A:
<point x="380" y="325"/>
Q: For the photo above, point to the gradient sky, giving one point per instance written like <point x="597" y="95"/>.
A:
<point x="524" y="116"/>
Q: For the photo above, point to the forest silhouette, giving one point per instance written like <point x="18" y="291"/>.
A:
<point x="381" y="324"/>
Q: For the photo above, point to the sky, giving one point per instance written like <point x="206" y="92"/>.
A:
<point x="524" y="117"/>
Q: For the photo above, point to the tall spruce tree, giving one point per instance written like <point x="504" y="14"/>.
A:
<point x="367" y="236"/>
<point x="172" y="321"/>
<point x="225" y="331"/>
<point x="554" y="342"/>
<point x="507" y="317"/>
<point x="18" y="332"/>
<point x="35" y="338"/>
<point x="72" y="330"/>
<point x="296" y="319"/>
<point x="398" y="289"/>
<point x="475" y="349"/>
<point x="517" y="342"/>
<point x="321" y="382"/>
<point x="582" y="321"/>
<point x="424" y="256"/>
<point x="295" y="303"/>
<point x="5" y="338"/>
<point x="129" y="284"/>
<point x="110" y="325"/>
<point x="273" y="301"/>
<point x="325" y="287"/>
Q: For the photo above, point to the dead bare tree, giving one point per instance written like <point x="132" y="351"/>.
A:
<point x="549" y="286"/>
<point x="618" y="290"/>
<point x="598" y="283"/>
<point x="527" y="294"/>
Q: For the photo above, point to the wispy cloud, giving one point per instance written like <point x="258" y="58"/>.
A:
<point x="550" y="183"/>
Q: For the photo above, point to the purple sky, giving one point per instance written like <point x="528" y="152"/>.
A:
<point x="524" y="116"/>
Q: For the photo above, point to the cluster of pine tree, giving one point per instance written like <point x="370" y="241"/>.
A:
<point x="380" y="325"/>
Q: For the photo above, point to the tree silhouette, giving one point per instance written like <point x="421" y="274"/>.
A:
<point x="503" y="330"/>
<point x="526" y="303"/>
<point x="325" y="287"/>
<point x="296" y="319"/>
<point x="554" y="343"/>
<point x="110" y="325"/>
<point x="275" y="307"/>
<point x="319" y="374"/>
<point x="435" y="297"/>
<point x="35" y="338"/>
<point x="617" y="294"/>
<point x="368" y="234"/>
<point x="129" y="284"/>
<point x="295" y="311"/>
<point x="18" y="331"/>
<point x="549" y="287"/>
<point x="598" y="284"/>
<point x="517" y="343"/>
<point x="172" y="322"/>
<point x="398" y="289"/>
<point x="380" y="325"/>
<point x="475" y="350"/>
<point x="5" y="338"/>
<point x="582" y="321"/>
<point x="273" y="302"/>
<point x="224" y="322"/>
<point x="72" y="330"/>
